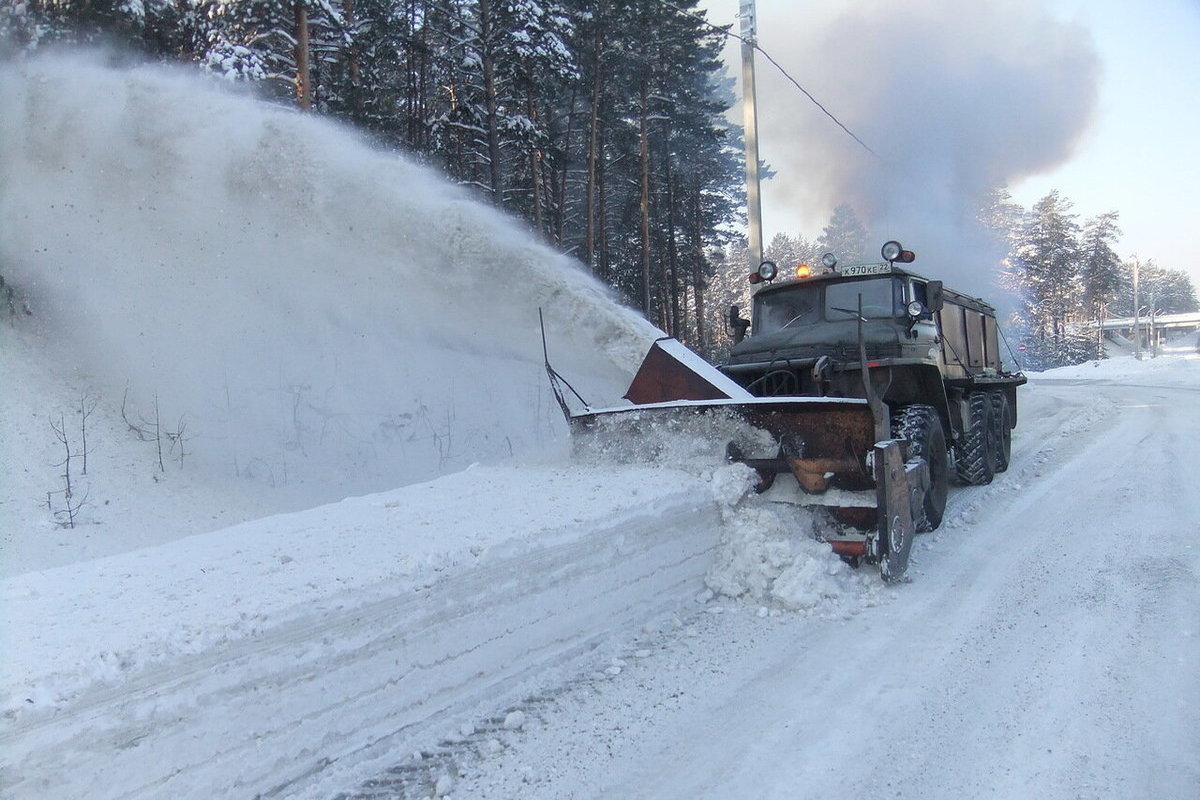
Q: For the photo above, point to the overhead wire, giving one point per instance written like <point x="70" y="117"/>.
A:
<point x="758" y="49"/>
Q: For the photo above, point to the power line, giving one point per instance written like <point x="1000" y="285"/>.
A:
<point x="755" y="46"/>
<point x="807" y="94"/>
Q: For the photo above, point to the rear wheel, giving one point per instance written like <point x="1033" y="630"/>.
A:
<point x="974" y="455"/>
<point x="1001" y="431"/>
<point x="921" y="426"/>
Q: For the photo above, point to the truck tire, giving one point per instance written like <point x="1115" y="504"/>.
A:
<point x="921" y="426"/>
<point x="973" y="456"/>
<point x="1002" y="431"/>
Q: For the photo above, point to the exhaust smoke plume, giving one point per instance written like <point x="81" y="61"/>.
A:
<point x="956" y="99"/>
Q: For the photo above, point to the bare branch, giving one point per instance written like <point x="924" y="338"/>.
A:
<point x="158" y="435"/>
<point x="85" y="410"/>
<point x="140" y="431"/>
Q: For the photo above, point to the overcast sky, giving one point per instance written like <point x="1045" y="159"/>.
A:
<point x="1099" y="99"/>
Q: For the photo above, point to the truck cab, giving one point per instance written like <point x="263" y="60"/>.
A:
<point x="805" y="329"/>
<point x="881" y="331"/>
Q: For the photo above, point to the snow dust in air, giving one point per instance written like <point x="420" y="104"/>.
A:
<point x="323" y="317"/>
<point x="319" y="319"/>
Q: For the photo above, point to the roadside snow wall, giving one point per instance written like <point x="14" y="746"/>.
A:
<point x="293" y="652"/>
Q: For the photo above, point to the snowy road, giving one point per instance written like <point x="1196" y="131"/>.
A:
<point x="545" y="632"/>
<point x="1048" y="646"/>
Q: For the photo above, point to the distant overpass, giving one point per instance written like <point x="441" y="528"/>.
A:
<point x="1190" y="320"/>
<point x="1153" y="331"/>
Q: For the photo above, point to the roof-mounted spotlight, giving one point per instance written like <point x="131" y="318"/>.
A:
<point x="766" y="272"/>
<point x="893" y="251"/>
<point x="829" y="261"/>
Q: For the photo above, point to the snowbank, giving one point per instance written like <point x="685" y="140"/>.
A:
<point x="238" y="661"/>
<point x="301" y="651"/>
<point x="1177" y="365"/>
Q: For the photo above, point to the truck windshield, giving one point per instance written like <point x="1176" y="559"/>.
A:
<point x="806" y="304"/>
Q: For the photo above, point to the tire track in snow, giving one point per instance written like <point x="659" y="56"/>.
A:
<point x="1046" y="649"/>
<point x="320" y="697"/>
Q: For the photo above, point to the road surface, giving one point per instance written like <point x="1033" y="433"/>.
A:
<point x="1047" y="646"/>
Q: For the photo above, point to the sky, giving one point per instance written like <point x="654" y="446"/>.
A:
<point x="1094" y="99"/>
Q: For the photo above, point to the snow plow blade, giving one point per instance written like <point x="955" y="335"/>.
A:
<point x="830" y="446"/>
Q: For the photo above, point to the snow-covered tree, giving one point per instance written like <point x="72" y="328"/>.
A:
<point x="158" y="28"/>
<point x="281" y="43"/>
<point x="1101" y="267"/>
<point x="790" y="251"/>
<point x="1160" y="290"/>
<point x="845" y="236"/>
<point x="728" y="286"/>
<point x="601" y="122"/>
<point x="1047" y="262"/>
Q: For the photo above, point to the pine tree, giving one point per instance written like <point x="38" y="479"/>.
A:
<point x="1101" y="268"/>
<point x="157" y="28"/>
<point x="601" y="122"/>
<point x="656" y="165"/>
<point x="1003" y="218"/>
<point x="728" y="286"/>
<point x="845" y="236"/>
<point x="279" y="43"/>
<point x="1161" y="290"/>
<point x="1048" y="265"/>
<point x="789" y="252"/>
<point x="1175" y="293"/>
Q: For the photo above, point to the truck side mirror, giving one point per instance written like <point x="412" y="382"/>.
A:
<point x="933" y="296"/>
<point x="736" y="325"/>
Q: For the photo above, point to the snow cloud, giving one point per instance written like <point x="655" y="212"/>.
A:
<point x="317" y="313"/>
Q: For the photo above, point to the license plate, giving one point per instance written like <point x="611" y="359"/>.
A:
<point x="866" y="269"/>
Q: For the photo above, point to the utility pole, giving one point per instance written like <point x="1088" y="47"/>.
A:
<point x="750" y="123"/>
<point x="304" y="94"/>
<point x="1153" y="343"/>
<point x="1137" y="322"/>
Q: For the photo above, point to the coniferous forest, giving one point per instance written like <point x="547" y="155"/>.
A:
<point x="600" y="123"/>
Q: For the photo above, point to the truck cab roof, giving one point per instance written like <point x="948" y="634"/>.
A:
<point x="851" y="272"/>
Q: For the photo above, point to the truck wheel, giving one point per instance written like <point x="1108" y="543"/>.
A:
<point x="1001" y="431"/>
<point x="922" y="427"/>
<point x="895" y="562"/>
<point x="974" y="459"/>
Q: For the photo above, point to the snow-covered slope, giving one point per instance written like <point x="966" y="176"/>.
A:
<point x="316" y="318"/>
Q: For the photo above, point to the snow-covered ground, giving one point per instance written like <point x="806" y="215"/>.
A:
<point x="530" y="625"/>
<point x="1047" y="646"/>
<point x="591" y="630"/>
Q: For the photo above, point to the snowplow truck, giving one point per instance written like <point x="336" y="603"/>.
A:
<point x="877" y="388"/>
